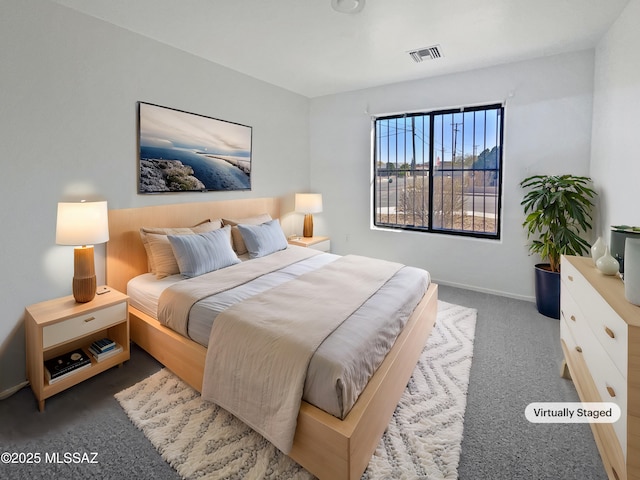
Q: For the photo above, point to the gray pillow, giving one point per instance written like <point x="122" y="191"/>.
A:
<point x="263" y="239"/>
<point x="203" y="252"/>
<point x="236" y="236"/>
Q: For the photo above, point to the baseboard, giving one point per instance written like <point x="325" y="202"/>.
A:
<point x="486" y="290"/>
<point x="7" y="393"/>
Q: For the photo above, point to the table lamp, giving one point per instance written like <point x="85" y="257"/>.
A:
<point x="308" y="203"/>
<point x="82" y="224"/>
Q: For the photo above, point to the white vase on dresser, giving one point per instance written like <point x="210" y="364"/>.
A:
<point x="607" y="264"/>
<point x="598" y="249"/>
<point x="600" y="336"/>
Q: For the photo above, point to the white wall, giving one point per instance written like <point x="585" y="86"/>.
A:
<point x="68" y="90"/>
<point x="547" y="131"/>
<point x="615" y="166"/>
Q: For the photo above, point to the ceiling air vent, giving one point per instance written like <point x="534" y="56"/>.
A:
<point x="427" y="53"/>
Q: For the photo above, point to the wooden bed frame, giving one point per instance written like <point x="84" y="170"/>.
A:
<point x="326" y="446"/>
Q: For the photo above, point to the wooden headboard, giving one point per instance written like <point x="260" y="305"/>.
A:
<point x="126" y="256"/>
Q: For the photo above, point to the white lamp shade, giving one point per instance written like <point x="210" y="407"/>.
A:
<point x="308" y="202"/>
<point x="82" y="223"/>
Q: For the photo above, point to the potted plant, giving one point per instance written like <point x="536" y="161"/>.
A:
<point x="558" y="212"/>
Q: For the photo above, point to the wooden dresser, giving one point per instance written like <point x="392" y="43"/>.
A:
<point x="600" y="336"/>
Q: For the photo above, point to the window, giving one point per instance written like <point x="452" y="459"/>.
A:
<point x="440" y="171"/>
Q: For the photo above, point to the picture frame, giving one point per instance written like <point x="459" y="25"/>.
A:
<point x="180" y="151"/>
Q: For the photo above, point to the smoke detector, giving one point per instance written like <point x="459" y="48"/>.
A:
<point x="426" y="53"/>
<point x="347" y="6"/>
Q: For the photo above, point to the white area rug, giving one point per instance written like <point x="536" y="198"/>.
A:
<point x="201" y="440"/>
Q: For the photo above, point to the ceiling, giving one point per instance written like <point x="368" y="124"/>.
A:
<point x="307" y="47"/>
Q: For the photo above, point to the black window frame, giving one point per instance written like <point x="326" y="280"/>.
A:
<point x="378" y="173"/>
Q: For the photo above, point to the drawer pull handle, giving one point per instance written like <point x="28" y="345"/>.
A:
<point x="89" y="319"/>
<point x="579" y="349"/>
<point x="573" y="317"/>
<point x="612" y="392"/>
<point x="609" y="332"/>
<point x="570" y="277"/>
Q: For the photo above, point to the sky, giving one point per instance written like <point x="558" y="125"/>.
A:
<point x="469" y="133"/>
<point x="165" y="127"/>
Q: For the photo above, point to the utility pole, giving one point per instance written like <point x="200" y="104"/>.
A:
<point x="455" y="127"/>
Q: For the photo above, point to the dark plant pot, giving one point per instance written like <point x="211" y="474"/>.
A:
<point x="547" y="291"/>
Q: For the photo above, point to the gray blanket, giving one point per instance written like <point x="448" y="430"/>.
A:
<point x="259" y="349"/>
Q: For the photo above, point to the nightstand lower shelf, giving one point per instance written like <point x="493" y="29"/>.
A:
<point x="48" y="390"/>
<point x="60" y="326"/>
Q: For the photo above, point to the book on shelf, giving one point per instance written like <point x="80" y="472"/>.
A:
<point x="63" y="365"/>
<point x="103" y="345"/>
<point x="99" y="356"/>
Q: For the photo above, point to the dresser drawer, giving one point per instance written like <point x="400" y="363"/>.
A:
<point x="609" y="382"/>
<point x="572" y="278"/>
<point x="610" y="330"/>
<point x="611" y="385"/>
<point x="84" y="324"/>
<point x="585" y="303"/>
<point x="572" y="352"/>
<point x="570" y="312"/>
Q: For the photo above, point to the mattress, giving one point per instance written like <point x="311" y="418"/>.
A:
<point x="342" y="365"/>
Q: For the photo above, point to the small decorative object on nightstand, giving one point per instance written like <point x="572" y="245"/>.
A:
<point x="317" y="243"/>
<point x="61" y="328"/>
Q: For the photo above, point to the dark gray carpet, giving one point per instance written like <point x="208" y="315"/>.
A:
<point x="84" y="419"/>
<point x="516" y="361"/>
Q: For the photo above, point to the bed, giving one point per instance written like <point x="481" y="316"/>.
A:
<point x="325" y="445"/>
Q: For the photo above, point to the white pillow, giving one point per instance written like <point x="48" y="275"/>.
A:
<point x="160" y="255"/>
<point x="203" y="252"/>
<point x="160" y="252"/>
<point x="263" y="239"/>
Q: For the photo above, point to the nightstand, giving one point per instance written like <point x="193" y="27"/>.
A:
<point x="317" y="243"/>
<point x="59" y="326"/>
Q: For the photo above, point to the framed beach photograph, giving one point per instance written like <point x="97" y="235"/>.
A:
<point x="186" y="152"/>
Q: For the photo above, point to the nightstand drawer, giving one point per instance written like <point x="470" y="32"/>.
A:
<point x="84" y="324"/>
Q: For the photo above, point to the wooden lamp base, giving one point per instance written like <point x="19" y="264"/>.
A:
<point x="84" y="274"/>
<point x="307" y="230"/>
